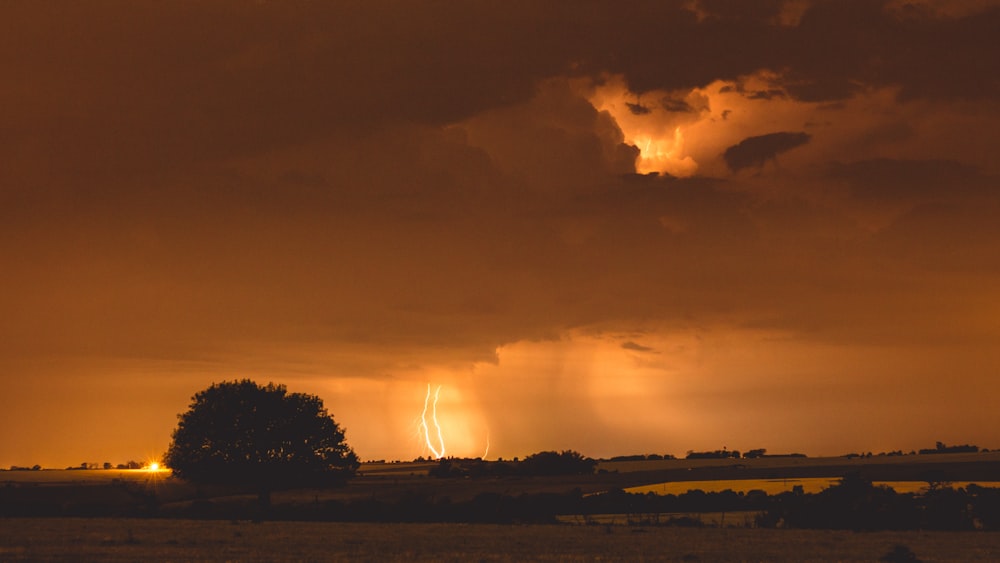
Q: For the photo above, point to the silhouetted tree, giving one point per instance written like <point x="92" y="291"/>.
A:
<point x="263" y="437"/>
<point x="568" y="462"/>
<point x="853" y="504"/>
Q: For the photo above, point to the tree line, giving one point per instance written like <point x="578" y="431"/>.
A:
<point x="86" y="465"/>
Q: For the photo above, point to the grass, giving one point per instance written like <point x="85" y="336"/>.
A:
<point x="731" y="519"/>
<point x="59" y="539"/>
<point x="82" y="476"/>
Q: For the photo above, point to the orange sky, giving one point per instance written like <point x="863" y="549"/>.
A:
<point x="618" y="228"/>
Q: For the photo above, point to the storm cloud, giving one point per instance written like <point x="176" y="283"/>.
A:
<point x="754" y="152"/>
<point x="541" y="206"/>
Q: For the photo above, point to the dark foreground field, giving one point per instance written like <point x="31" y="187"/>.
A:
<point x="92" y="539"/>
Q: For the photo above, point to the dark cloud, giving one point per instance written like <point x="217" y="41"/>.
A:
<point x="637" y="109"/>
<point x="952" y="238"/>
<point x="910" y="180"/>
<point x="636" y="347"/>
<point x="765" y="94"/>
<point x="116" y="89"/>
<point x="824" y="89"/>
<point x="763" y="10"/>
<point x="756" y="151"/>
<point x="675" y="106"/>
<point x="750" y="94"/>
<point x="837" y="48"/>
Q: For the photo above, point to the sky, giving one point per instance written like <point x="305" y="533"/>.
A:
<point x="612" y="227"/>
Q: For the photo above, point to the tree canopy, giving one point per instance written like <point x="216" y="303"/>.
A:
<point x="243" y="433"/>
<point x="568" y="462"/>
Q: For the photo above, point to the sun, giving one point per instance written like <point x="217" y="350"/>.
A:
<point x="153" y="466"/>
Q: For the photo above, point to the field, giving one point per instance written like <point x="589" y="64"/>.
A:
<point x="728" y="537"/>
<point x="774" y="474"/>
<point x="59" y="539"/>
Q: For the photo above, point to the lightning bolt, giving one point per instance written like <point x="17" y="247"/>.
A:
<point x="487" y="452"/>
<point x="438" y="453"/>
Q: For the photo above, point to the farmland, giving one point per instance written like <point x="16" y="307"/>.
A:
<point x="142" y="515"/>
<point x="59" y="539"/>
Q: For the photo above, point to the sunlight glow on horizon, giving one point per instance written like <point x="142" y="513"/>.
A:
<point x="154" y="467"/>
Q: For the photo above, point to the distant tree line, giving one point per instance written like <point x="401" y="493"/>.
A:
<point x="84" y="466"/>
<point x="642" y="457"/>
<point x="941" y="448"/>
<point x="567" y="462"/>
<point x="757" y="453"/>
<point x="717" y="454"/>
<point x="131" y="464"/>
<point x="735" y="454"/>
